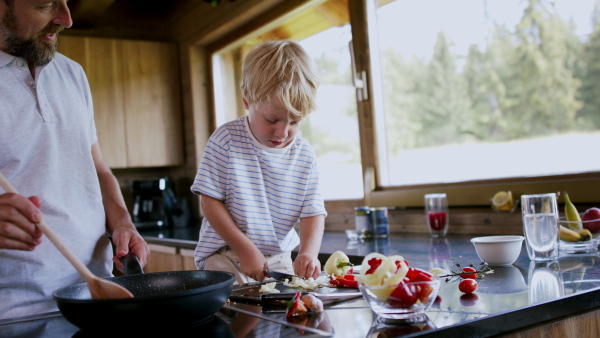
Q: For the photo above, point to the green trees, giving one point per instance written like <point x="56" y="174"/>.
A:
<point x="589" y="115"/>
<point x="535" y="79"/>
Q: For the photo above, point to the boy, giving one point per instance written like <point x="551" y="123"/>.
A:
<point x="257" y="177"/>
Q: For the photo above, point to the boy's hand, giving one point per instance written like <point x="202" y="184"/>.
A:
<point x="253" y="264"/>
<point x="307" y="266"/>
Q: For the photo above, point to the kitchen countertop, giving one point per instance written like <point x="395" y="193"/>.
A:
<point x="511" y="298"/>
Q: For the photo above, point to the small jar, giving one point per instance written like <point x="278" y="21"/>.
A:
<point x="362" y="221"/>
<point x="380" y="226"/>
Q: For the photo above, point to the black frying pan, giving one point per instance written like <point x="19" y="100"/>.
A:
<point x="161" y="300"/>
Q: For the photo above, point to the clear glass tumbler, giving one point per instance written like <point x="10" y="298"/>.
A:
<point x="436" y="213"/>
<point x="540" y="225"/>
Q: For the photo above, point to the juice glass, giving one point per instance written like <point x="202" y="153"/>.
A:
<point x="436" y="212"/>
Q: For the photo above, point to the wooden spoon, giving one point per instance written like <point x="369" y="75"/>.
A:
<point x="99" y="288"/>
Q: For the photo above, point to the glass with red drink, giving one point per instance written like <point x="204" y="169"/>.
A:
<point x="436" y="213"/>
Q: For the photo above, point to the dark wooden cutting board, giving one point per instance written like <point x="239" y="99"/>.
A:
<point x="251" y="294"/>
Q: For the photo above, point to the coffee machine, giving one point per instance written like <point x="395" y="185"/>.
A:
<point x="153" y="201"/>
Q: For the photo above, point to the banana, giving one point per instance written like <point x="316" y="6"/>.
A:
<point x="569" y="235"/>
<point x="572" y="215"/>
<point x="546" y="207"/>
<point x="585" y="234"/>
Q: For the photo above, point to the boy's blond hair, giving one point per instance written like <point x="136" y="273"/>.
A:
<point x="281" y="68"/>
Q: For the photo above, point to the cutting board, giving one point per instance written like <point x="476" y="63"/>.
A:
<point x="250" y="294"/>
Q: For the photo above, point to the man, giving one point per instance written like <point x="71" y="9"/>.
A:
<point x="49" y="151"/>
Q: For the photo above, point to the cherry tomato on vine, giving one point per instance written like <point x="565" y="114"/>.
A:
<point x="468" y="285"/>
<point x="470" y="275"/>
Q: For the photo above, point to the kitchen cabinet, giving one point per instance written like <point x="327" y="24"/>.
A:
<point x="136" y="94"/>
<point x="187" y="257"/>
<point x="169" y="258"/>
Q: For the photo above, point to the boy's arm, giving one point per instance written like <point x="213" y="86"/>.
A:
<point x="252" y="261"/>
<point x="311" y="233"/>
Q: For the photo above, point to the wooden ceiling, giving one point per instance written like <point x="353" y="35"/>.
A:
<point x="164" y="19"/>
<point x="178" y="20"/>
<point x="153" y="15"/>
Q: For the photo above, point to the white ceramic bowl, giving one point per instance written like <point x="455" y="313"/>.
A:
<point x="498" y="250"/>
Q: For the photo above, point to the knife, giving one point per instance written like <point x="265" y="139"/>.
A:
<point x="278" y="275"/>
<point x="288" y="296"/>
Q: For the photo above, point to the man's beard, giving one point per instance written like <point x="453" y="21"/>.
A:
<point x="33" y="50"/>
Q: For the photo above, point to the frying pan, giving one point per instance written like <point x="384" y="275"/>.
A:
<point x="174" y="299"/>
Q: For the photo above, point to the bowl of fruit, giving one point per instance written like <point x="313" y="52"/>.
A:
<point x="579" y="233"/>
<point x="395" y="292"/>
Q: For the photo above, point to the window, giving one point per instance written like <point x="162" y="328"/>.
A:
<point x="482" y="90"/>
<point x="332" y="129"/>
<point x="464" y="97"/>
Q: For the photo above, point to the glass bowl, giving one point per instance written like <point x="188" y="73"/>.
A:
<point x="404" y="303"/>
<point x="581" y="246"/>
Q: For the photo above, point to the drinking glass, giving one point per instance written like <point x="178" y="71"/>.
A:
<point x="540" y="225"/>
<point x="436" y="212"/>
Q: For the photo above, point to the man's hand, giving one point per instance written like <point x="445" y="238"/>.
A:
<point x="18" y="216"/>
<point x="125" y="240"/>
<point x="307" y="266"/>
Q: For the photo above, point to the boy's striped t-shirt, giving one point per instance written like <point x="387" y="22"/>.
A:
<point x="266" y="190"/>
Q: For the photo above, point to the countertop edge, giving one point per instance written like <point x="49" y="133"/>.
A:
<point x="177" y="243"/>
<point x="506" y="322"/>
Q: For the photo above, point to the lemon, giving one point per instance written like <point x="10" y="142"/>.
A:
<point x="502" y="200"/>
<point x="510" y="199"/>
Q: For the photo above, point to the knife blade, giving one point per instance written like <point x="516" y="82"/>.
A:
<point x="278" y="275"/>
<point x="288" y="296"/>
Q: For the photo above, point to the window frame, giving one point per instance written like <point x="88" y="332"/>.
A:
<point x="582" y="187"/>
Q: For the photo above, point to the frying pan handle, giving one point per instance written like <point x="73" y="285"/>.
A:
<point x="131" y="264"/>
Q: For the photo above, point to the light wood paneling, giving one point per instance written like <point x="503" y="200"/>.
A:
<point x="74" y="48"/>
<point x="104" y="76"/>
<point x="187" y="257"/>
<point x="137" y="99"/>
<point x="152" y="103"/>
<point x="578" y="326"/>
<point x="474" y="221"/>
<point x="163" y="258"/>
<point x="168" y="258"/>
<point x="161" y="262"/>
